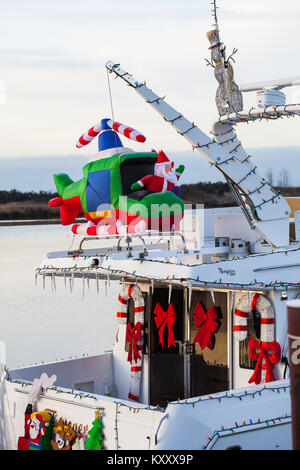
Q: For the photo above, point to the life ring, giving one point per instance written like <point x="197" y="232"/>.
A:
<point x="134" y="334"/>
<point x="131" y="292"/>
<point x="256" y="302"/>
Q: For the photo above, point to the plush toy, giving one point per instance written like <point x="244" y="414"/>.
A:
<point x="40" y="430"/>
<point x="164" y="179"/>
<point x="37" y="425"/>
<point x="64" y="435"/>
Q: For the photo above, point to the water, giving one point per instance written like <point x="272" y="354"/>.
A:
<point x="39" y="325"/>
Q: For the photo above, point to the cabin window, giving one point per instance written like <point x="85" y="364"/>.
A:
<point x="218" y="355"/>
<point x="133" y="169"/>
<point x="209" y="367"/>
<point x="253" y="332"/>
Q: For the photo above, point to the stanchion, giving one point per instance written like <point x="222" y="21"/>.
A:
<point x="293" y="316"/>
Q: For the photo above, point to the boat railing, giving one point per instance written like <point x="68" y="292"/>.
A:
<point x="150" y="241"/>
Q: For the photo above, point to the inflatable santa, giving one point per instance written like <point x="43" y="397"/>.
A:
<point x="164" y="179"/>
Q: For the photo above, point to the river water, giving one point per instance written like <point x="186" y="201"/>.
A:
<point x="37" y="324"/>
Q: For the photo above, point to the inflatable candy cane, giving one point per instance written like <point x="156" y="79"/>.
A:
<point x="134" y="335"/>
<point x="88" y="136"/>
<point x="127" y="131"/>
<point x="106" y="124"/>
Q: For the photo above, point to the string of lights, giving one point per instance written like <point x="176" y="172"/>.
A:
<point x="197" y="281"/>
<point x="245" y="426"/>
<point x="171" y="121"/>
<point x="259" y="114"/>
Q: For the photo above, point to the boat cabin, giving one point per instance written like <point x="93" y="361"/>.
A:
<point x="194" y="331"/>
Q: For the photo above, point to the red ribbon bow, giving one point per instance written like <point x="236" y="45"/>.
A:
<point x="264" y="354"/>
<point x="208" y="324"/>
<point x="133" y="334"/>
<point x="164" y="319"/>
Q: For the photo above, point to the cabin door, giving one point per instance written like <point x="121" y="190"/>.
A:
<point x="166" y="360"/>
<point x="209" y="358"/>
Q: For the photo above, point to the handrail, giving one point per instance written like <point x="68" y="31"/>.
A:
<point x="62" y="400"/>
<point x="158" y="427"/>
<point x="128" y="238"/>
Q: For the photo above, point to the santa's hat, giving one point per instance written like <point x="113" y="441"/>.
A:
<point x="162" y="159"/>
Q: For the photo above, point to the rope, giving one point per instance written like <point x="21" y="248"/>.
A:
<point x="111" y="104"/>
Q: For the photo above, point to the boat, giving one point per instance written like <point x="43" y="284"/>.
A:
<point x="200" y="360"/>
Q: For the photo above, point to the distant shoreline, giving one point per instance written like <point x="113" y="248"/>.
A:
<point x="31" y="208"/>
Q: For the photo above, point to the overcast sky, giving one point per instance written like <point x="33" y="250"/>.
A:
<point x="52" y="66"/>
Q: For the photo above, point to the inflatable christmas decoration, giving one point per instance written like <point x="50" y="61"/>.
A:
<point x="105" y="195"/>
<point x="164" y="179"/>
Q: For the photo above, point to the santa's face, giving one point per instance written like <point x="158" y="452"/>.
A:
<point x="168" y="173"/>
<point x="168" y="168"/>
<point x="34" y="428"/>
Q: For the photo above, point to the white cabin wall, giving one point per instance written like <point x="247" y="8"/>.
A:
<point x="97" y="369"/>
<point x="120" y="364"/>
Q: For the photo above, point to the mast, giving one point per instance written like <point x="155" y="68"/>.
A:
<point x="228" y="96"/>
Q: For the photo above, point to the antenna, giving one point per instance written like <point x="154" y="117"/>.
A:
<point x="228" y="96"/>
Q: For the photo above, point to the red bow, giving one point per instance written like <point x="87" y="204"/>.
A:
<point x="208" y="324"/>
<point x="164" y="319"/>
<point x="133" y="334"/>
<point x="263" y="354"/>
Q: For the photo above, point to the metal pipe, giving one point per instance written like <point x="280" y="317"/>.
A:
<point x="281" y="83"/>
<point x="293" y="317"/>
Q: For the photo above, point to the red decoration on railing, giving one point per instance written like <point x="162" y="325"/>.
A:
<point x="164" y="319"/>
<point x="208" y="323"/>
<point x="265" y="359"/>
<point x="133" y="334"/>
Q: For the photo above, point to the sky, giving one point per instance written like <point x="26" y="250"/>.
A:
<point x="54" y="84"/>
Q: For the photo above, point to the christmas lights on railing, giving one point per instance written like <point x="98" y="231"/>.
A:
<point x="171" y="121"/>
<point x="58" y="390"/>
<point x="270" y="112"/>
<point x="244" y="426"/>
<point x="253" y="170"/>
<point x="171" y="277"/>
<point x="188" y="130"/>
<point x="93" y="272"/>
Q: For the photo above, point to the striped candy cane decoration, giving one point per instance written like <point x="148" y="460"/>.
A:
<point x="127" y="131"/>
<point x="261" y="304"/>
<point x="88" y="136"/>
<point x="135" y="333"/>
